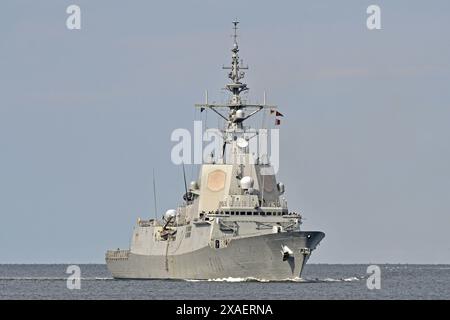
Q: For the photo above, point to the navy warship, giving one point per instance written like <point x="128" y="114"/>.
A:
<point x="234" y="221"/>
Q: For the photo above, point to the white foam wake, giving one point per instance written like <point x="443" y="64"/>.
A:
<point x="50" y="278"/>
<point x="301" y="280"/>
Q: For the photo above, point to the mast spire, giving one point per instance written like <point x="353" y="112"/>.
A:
<point x="235" y="106"/>
<point x="235" y="28"/>
<point x="236" y="87"/>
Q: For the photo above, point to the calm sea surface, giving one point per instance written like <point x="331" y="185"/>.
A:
<point x="319" y="281"/>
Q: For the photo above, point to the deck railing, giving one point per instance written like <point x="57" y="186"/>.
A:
<point x="250" y="202"/>
<point x="117" y="254"/>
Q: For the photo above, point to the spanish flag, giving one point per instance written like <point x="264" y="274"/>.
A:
<point x="277" y="113"/>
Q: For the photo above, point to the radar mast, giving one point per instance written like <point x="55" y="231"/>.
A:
<point x="236" y="107"/>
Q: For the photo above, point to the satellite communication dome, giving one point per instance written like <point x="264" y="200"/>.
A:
<point x="247" y="183"/>
<point x="193" y="185"/>
<point x="240" y="114"/>
<point x="242" y="143"/>
<point x="170" y="213"/>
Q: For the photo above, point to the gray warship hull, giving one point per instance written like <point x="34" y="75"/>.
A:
<point x="258" y="257"/>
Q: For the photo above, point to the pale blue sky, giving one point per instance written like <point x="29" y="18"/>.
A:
<point x="85" y="116"/>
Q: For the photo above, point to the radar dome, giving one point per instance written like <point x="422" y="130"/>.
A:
<point x="247" y="183"/>
<point x="170" y="213"/>
<point x="193" y="185"/>
<point x="242" y="143"/>
<point x="240" y="114"/>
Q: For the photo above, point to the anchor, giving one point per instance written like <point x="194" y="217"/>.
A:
<point x="286" y="253"/>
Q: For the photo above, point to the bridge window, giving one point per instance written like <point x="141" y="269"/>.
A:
<point x="249" y="213"/>
<point x="242" y="213"/>
<point x="217" y="244"/>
